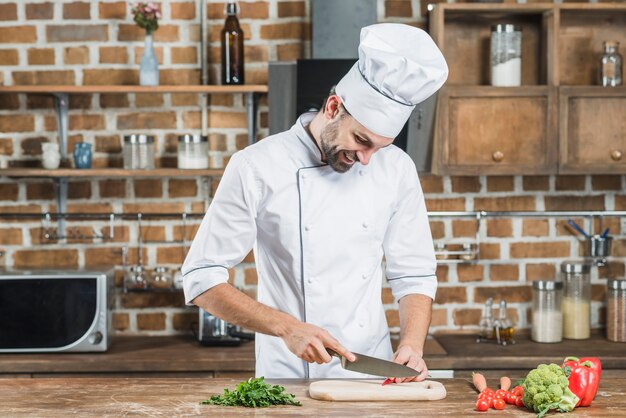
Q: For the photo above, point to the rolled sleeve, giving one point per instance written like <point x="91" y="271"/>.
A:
<point x="408" y="244"/>
<point x="227" y="232"/>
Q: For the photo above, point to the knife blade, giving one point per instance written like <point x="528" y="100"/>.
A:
<point x="374" y="366"/>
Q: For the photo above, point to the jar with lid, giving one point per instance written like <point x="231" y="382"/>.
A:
<point x="576" y="299"/>
<point x="547" y="317"/>
<point x="506" y="55"/>
<point x="138" y="152"/>
<point x="616" y="310"/>
<point x="611" y="64"/>
<point x="193" y="152"/>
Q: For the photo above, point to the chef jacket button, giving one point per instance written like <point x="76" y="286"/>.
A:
<point x="307" y="228"/>
<point x="364" y="276"/>
<point x="361" y="324"/>
<point x="365" y="225"/>
<point x="302" y="176"/>
<point x="361" y="172"/>
<point x="310" y="280"/>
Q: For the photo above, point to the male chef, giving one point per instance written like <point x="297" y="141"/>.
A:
<point x="321" y="205"/>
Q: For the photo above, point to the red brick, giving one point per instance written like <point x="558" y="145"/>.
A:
<point x="112" y="188"/>
<point x="442" y="273"/>
<point x="113" y="55"/>
<point x="66" y="258"/>
<point x="89" y="207"/>
<point x="398" y="8"/>
<point x="116" y="10"/>
<point x="535" y="227"/>
<point x="184" y="55"/>
<point x="292" y="30"/>
<point x="500" y="183"/>
<point x="9" y="191"/>
<point x="505" y="204"/>
<point x="18" y="35"/>
<point x="170" y="255"/>
<point x="148" y="100"/>
<point x="183" y="10"/>
<point x="79" y="190"/>
<point x="256" y="10"/>
<point x="503" y="272"/>
<point x="457" y="294"/>
<point x="499" y="227"/>
<point x="113" y="100"/>
<point x="190" y="233"/>
<point x="17" y="123"/>
<point x="183" y="99"/>
<point x="121" y="321"/>
<point x="619" y="248"/>
<point x="151" y="321"/>
<point x="439" y="317"/>
<point x="620" y="203"/>
<point x="31" y="78"/>
<point x="289" y="52"/>
<point x="179" y="76"/>
<point x="134" y="300"/>
<point x="76" y="33"/>
<point x="439" y="205"/>
<point x="250" y="276"/>
<point x="612" y="270"/>
<point x="227" y="120"/>
<point x="155" y="120"/>
<point x="574" y="203"/>
<point x="165" y="207"/>
<point x="158" y="52"/>
<point x="470" y="272"/>
<point x="512" y="294"/>
<point x="536" y="183"/>
<point x="463" y="228"/>
<point x="489" y="251"/>
<point x="9" y="57"/>
<point x="393" y="318"/>
<point x="184" y="321"/>
<point x="540" y="272"/>
<point x="463" y="317"/>
<point x="153" y="233"/>
<point x="86" y="122"/>
<point x="431" y="184"/>
<point x="39" y="191"/>
<point x="437" y="229"/>
<point x="76" y="55"/>
<point x="543" y="249"/>
<point x="8" y="11"/>
<point x="6" y="146"/>
<point x="32" y="145"/>
<point x="256" y="53"/>
<point x="39" y="11"/>
<point x="10" y="236"/>
<point x="109" y="144"/>
<point x="291" y="9"/>
<point x="608" y="182"/>
<point x="569" y="183"/>
<point x="76" y="10"/>
<point x="182" y="188"/>
<point x="146" y="188"/>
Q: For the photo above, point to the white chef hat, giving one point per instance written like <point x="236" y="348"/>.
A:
<point x="399" y="66"/>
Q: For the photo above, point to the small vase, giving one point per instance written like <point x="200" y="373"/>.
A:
<point x="149" y="67"/>
<point x="50" y="157"/>
<point x="82" y="155"/>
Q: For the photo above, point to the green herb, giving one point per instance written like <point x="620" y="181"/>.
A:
<point x="254" y="393"/>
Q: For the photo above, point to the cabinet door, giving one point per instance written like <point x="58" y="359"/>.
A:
<point x="592" y="130"/>
<point x="486" y="130"/>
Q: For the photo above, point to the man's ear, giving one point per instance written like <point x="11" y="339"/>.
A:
<point x="331" y="110"/>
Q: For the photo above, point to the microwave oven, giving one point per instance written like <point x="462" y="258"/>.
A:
<point x="55" y="311"/>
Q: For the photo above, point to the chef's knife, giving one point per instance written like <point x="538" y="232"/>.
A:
<point x="374" y="366"/>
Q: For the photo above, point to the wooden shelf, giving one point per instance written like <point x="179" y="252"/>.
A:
<point x="251" y="88"/>
<point x="108" y="172"/>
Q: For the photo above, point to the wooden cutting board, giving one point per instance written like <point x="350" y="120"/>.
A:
<point x="372" y="390"/>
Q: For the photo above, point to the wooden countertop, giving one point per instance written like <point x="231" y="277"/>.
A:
<point x="173" y="397"/>
<point x="183" y="355"/>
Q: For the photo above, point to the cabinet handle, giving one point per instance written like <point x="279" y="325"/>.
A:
<point x="616" y="155"/>
<point x="498" y="156"/>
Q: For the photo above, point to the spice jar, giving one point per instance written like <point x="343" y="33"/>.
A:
<point x="138" y="152"/>
<point x="547" y="322"/>
<point x="193" y="151"/>
<point x="610" y="65"/>
<point x="506" y="55"/>
<point x="616" y="311"/>
<point x="576" y="299"/>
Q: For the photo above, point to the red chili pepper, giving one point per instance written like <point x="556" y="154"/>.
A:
<point x="583" y="378"/>
<point x="389" y="380"/>
<point x="595" y="366"/>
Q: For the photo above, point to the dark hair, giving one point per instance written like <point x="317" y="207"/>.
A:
<point x="344" y="111"/>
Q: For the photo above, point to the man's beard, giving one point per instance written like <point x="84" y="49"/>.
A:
<point x="331" y="152"/>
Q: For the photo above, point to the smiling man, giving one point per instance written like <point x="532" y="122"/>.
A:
<point x="321" y="205"/>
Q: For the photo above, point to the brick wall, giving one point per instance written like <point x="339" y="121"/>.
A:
<point x="72" y="42"/>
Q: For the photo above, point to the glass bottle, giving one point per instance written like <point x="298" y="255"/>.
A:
<point x="486" y="321"/>
<point x="611" y="65"/>
<point x="616" y="310"/>
<point x="232" y="47"/>
<point x="502" y="328"/>
<point x="576" y="300"/>
<point x="547" y="322"/>
<point x="506" y="55"/>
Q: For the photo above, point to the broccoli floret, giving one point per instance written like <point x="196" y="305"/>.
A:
<point x="546" y="388"/>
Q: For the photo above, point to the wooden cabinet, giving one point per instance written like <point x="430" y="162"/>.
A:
<point x="543" y="126"/>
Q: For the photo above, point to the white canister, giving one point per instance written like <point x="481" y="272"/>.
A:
<point x="193" y="152"/>
<point x="506" y="55"/>
<point x="50" y="156"/>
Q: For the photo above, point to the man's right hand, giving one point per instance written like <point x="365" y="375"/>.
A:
<point x="309" y="343"/>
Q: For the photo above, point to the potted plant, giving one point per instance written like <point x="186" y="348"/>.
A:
<point x="147" y="15"/>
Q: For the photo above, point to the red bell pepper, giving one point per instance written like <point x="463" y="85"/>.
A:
<point x="584" y="377"/>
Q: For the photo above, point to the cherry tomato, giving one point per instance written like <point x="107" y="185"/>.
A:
<point x="499" y="404"/>
<point x="518" y="390"/>
<point x="512" y="399"/>
<point x="519" y="402"/>
<point x="507" y="397"/>
<point x="500" y="393"/>
<point x="482" y="405"/>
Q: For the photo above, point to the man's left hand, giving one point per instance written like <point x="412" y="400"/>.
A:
<point x="411" y="358"/>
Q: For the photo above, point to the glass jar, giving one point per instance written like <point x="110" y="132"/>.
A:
<point x="506" y="55"/>
<point x="193" y="151"/>
<point x="576" y="299"/>
<point x="611" y="65"/>
<point x="138" y="152"/>
<point x="616" y="310"/>
<point x="547" y="322"/>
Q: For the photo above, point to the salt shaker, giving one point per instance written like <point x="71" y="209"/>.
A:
<point x="506" y="55"/>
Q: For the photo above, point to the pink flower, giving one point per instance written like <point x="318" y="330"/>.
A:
<point x="158" y="14"/>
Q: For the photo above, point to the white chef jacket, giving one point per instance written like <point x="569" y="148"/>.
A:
<point x="319" y="237"/>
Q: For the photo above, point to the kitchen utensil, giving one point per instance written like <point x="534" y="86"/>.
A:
<point x="577" y="228"/>
<point x="374" y="366"/>
<point x="372" y="390"/>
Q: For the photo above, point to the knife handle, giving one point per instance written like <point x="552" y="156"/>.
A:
<point x="333" y="353"/>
